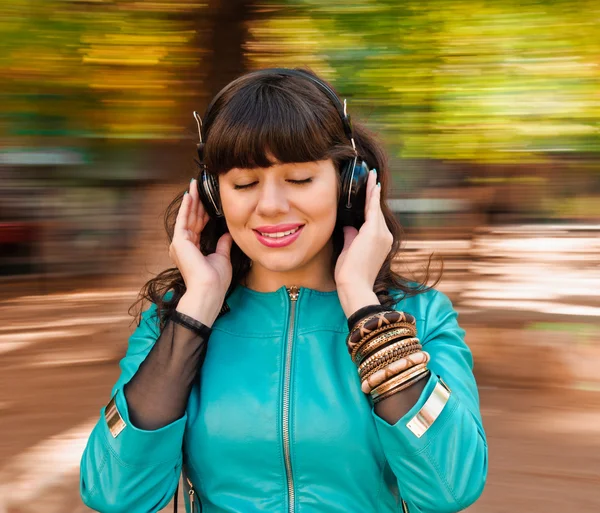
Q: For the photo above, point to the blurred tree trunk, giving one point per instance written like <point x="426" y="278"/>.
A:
<point x="228" y="34"/>
<point x="221" y="32"/>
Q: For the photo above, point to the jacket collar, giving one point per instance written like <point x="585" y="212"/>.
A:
<point x="266" y="314"/>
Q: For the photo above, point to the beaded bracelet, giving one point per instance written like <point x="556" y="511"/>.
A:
<point x="394" y="351"/>
<point x="408" y="329"/>
<point x="362" y="351"/>
<point x="381" y="373"/>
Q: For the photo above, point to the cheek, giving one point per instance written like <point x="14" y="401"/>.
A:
<point x="235" y="209"/>
<point x="323" y="203"/>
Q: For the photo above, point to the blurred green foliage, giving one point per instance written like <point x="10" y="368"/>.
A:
<point x="111" y="69"/>
<point x="504" y="81"/>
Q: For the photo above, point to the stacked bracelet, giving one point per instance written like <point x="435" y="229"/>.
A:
<point x="423" y="373"/>
<point x="371" y="323"/>
<point x="382" y="373"/>
<point x="380" y="345"/>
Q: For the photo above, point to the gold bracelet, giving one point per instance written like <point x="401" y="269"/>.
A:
<point x="386" y="356"/>
<point x="398" y="380"/>
<point x="388" y="359"/>
<point x="367" y="351"/>
<point x="395" y="367"/>
<point x="408" y="343"/>
<point x="404" y="386"/>
<point x="370" y="341"/>
<point x="353" y="346"/>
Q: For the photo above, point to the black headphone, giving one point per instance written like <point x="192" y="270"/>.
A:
<point x="354" y="171"/>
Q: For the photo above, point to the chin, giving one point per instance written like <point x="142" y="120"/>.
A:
<point x="279" y="263"/>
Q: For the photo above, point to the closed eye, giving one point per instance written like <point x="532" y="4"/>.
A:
<point x="248" y="185"/>
<point x="245" y="186"/>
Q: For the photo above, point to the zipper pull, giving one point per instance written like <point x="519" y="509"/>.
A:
<point x="191" y="494"/>
<point x="293" y="292"/>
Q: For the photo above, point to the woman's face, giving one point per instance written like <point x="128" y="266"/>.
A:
<point x="281" y="217"/>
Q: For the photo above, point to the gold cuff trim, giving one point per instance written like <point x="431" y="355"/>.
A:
<point x="115" y="422"/>
<point x="431" y="410"/>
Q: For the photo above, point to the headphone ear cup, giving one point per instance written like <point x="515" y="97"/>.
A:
<point x="351" y="208"/>
<point x="208" y="190"/>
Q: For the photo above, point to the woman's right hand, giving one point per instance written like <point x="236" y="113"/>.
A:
<point x="204" y="275"/>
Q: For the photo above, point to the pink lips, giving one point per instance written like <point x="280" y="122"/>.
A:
<point x="280" y="241"/>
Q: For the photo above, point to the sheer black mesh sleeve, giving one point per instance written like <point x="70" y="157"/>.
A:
<point x="157" y="394"/>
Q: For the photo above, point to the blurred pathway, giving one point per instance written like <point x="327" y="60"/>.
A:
<point x="59" y="358"/>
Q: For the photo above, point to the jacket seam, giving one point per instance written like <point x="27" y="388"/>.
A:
<point x="94" y="489"/>
<point x="442" y="478"/>
<point x="130" y="465"/>
<point x="327" y="329"/>
<point x="246" y="334"/>
<point x="378" y="496"/>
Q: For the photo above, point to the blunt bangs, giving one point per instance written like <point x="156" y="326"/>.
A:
<point x="271" y="120"/>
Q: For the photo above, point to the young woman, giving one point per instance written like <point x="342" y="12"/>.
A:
<point x="283" y="365"/>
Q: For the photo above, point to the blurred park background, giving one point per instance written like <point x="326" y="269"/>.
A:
<point x="491" y="115"/>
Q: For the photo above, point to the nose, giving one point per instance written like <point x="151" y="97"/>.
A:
<point x="272" y="200"/>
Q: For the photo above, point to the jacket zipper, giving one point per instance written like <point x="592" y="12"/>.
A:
<point x="191" y="494"/>
<point x="293" y="293"/>
<point x="404" y="506"/>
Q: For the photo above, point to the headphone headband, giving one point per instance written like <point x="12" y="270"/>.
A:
<point x="340" y="107"/>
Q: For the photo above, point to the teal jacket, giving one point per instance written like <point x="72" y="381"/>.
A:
<point x="277" y="421"/>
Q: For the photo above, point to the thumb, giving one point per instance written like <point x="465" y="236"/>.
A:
<point x="224" y="245"/>
<point x="350" y="234"/>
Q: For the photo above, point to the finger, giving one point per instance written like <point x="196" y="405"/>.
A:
<point x="193" y="193"/>
<point x="374" y="203"/>
<point x="182" y="215"/>
<point x="224" y="245"/>
<point x="201" y="217"/>
<point x="370" y="184"/>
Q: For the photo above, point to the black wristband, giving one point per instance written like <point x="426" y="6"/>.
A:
<point x="361" y="313"/>
<point x="190" y="323"/>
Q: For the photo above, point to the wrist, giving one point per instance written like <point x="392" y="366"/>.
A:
<point x="200" y="306"/>
<point x="353" y="300"/>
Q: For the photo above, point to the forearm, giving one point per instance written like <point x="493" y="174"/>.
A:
<point x="444" y="468"/>
<point x="157" y="394"/>
<point x="394" y="407"/>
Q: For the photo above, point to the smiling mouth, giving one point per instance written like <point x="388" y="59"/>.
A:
<point x="279" y="235"/>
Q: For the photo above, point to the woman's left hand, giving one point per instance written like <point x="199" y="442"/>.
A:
<point x="363" y="254"/>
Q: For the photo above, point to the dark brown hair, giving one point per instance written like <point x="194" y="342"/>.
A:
<point x="291" y="119"/>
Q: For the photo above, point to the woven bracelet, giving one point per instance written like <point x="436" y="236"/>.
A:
<point x="375" y="322"/>
<point x="190" y="323"/>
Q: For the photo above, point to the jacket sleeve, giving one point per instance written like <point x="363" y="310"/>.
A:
<point x="123" y="468"/>
<point x="438" y="450"/>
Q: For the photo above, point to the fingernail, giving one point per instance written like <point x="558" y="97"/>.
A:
<point x="379" y="184"/>
<point x="185" y="193"/>
<point x="374" y="171"/>
<point x="191" y="180"/>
